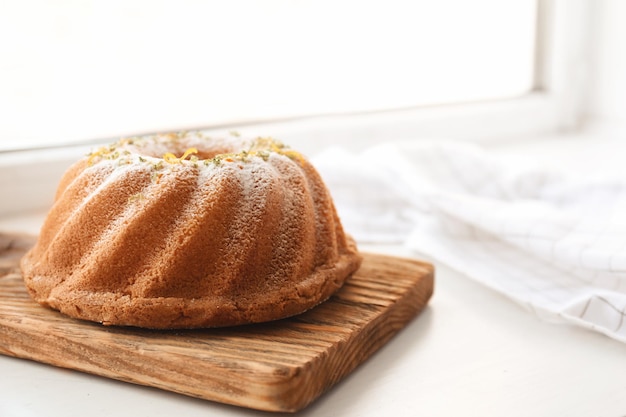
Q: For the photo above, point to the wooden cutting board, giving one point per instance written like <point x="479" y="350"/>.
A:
<point x="278" y="366"/>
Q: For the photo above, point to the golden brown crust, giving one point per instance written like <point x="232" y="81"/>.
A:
<point x="111" y="308"/>
<point x="245" y="234"/>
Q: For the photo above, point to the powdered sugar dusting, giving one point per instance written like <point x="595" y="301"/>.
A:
<point x="230" y="225"/>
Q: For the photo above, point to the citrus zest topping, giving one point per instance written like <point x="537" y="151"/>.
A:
<point x="261" y="147"/>
<point x="172" y="159"/>
<point x="97" y="153"/>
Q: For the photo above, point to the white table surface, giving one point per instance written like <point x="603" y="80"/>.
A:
<point x="459" y="357"/>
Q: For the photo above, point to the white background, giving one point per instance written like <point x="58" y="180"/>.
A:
<point x="82" y="70"/>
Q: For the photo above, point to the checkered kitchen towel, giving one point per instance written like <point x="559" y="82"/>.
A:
<point x="556" y="244"/>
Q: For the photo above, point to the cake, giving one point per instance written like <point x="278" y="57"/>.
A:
<point x="186" y="231"/>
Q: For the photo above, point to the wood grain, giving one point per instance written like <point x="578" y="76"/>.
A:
<point x="278" y="366"/>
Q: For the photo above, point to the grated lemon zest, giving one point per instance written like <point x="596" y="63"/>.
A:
<point x="172" y="159"/>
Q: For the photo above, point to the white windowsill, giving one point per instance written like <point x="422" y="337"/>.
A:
<point x="30" y="177"/>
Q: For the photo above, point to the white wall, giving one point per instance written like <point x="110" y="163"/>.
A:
<point x="607" y="93"/>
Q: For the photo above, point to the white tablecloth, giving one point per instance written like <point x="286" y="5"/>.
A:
<point x="553" y="242"/>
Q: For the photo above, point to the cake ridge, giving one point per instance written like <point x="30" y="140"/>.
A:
<point x="83" y="237"/>
<point x="208" y="226"/>
<point x="115" y="267"/>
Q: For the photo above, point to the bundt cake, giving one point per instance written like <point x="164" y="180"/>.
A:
<point x="186" y="231"/>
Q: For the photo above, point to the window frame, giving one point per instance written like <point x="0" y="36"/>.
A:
<point x="554" y="105"/>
